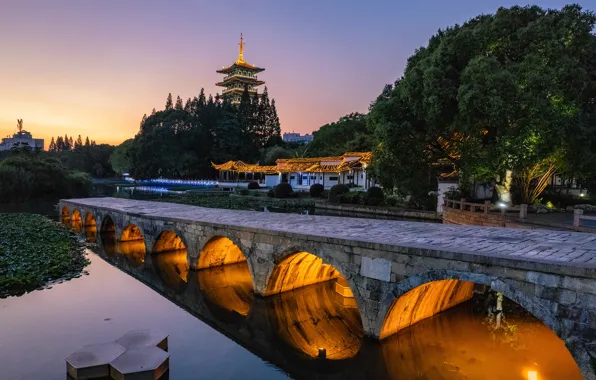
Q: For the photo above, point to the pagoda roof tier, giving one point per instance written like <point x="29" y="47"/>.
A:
<point x="240" y="79"/>
<point x="238" y="91"/>
<point x="240" y="65"/>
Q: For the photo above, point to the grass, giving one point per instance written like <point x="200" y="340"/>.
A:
<point x="35" y="250"/>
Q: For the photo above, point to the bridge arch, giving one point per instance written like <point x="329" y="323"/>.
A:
<point x="448" y="288"/>
<point x="65" y="215"/>
<point x="76" y="221"/>
<point x="170" y="258"/>
<point x="107" y="233"/>
<point x="220" y="250"/>
<point x="132" y="245"/>
<point x="90" y="227"/>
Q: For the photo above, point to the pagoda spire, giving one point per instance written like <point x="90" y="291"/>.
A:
<point x="241" y="51"/>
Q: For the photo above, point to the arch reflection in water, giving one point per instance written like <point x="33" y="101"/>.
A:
<point x="90" y="228"/>
<point x="228" y="291"/>
<point x="169" y="257"/>
<point x="132" y="245"/>
<point x="458" y="344"/>
<point x="315" y="317"/>
<point x="107" y="234"/>
<point x="76" y="221"/>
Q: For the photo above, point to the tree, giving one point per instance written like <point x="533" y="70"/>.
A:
<point x="179" y="106"/>
<point x="501" y="97"/>
<point x="78" y="144"/>
<point x="169" y="104"/>
<point x="349" y="133"/>
<point x="120" y="158"/>
<point x="52" y="147"/>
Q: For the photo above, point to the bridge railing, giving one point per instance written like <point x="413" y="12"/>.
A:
<point x="468" y="206"/>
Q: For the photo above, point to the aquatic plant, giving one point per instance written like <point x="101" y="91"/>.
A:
<point x="35" y="250"/>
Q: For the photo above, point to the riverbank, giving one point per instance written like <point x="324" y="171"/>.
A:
<point x="34" y="251"/>
<point x="239" y="202"/>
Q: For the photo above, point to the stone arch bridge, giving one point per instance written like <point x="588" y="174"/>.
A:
<point x="398" y="272"/>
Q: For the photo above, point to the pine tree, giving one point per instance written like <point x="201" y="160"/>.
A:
<point x="70" y="143"/>
<point x="66" y="146"/>
<point x="78" y="143"/>
<point x="188" y="105"/>
<point x="87" y="141"/>
<point x="52" y="147"/>
<point x="179" y="106"/>
<point x="201" y="101"/>
<point x="169" y="104"/>
<point x="59" y="144"/>
<point x="153" y="112"/>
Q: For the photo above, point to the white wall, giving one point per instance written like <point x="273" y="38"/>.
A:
<point x="442" y="188"/>
<point x="272" y="179"/>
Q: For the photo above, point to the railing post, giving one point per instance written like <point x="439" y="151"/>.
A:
<point x="577" y="213"/>
<point x="486" y="207"/>
<point x="523" y="211"/>
<point x="461" y="203"/>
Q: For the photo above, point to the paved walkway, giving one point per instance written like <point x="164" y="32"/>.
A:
<point x="562" y="248"/>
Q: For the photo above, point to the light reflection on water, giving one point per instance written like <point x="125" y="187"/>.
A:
<point x="285" y="329"/>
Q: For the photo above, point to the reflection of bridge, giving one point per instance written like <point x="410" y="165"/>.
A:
<point x="399" y="272"/>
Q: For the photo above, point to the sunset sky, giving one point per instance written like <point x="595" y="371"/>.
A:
<point x="95" y="67"/>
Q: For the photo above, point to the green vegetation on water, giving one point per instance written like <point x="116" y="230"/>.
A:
<point x="35" y="250"/>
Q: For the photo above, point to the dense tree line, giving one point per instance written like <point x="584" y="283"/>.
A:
<point x="185" y="137"/>
<point x="508" y="98"/>
<point x="87" y="157"/>
<point x="34" y="175"/>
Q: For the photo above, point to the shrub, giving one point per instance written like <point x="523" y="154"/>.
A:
<point x="352" y="197"/>
<point x="336" y="191"/>
<point x="271" y="192"/>
<point x="392" y="200"/>
<point x="283" y="190"/>
<point x="254" y="185"/>
<point x="375" y="196"/>
<point x="316" y="190"/>
<point x="244" y="192"/>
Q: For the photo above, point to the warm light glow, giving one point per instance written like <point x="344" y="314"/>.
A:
<point x="423" y="302"/>
<point x="168" y="241"/>
<point x="228" y="288"/>
<point x="220" y="251"/>
<point x="309" y="320"/>
<point x="76" y="221"/>
<point x="298" y="270"/>
<point x="532" y="375"/>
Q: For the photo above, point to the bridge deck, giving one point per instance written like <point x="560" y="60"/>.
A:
<point x="563" y="252"/>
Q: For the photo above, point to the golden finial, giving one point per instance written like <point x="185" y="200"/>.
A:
<point x="241" y="54"/>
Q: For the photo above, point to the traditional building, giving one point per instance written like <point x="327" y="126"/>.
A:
<point x="20" y="139"/>
<point x="238" y="76"/>
<point x="301" y="173"/>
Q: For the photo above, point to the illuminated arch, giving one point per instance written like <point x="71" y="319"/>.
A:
<point x="168" y="240"/>
<point x="298" y="270"/>
<point x="132" y="245"/>
<point x="433" y="282"/>
<point x="170" y="259"/>
<point x="90" y="227"/>
<point x="219" y="251"/>
<point x="76" y="221"/>
<point x="65" y="215"/>
<point x="423" y="302"/>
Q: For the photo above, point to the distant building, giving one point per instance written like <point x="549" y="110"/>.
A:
<point x="297" y="138"/>
<point x="238" y="76"/>
<point x="21" y="138"/>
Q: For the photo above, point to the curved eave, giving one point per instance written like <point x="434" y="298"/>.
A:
<point x="236" y="65"/>
<point x="238" y="91"/>
<point x="241" y="80"/>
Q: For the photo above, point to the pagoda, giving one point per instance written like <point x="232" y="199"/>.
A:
<point x="238" y="76"/>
